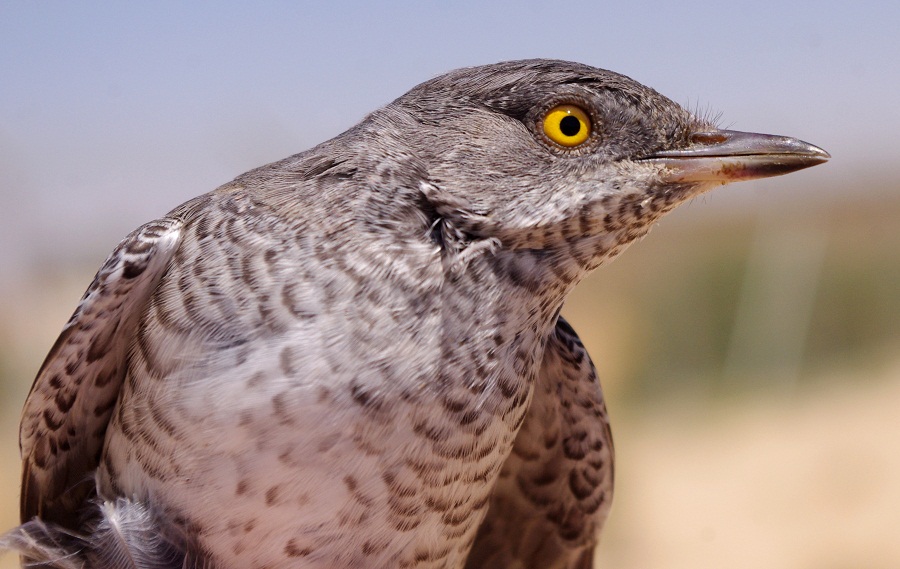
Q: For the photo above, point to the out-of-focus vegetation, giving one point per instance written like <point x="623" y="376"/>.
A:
<point x="724" y="303"/>
<point x="752" y="363"/>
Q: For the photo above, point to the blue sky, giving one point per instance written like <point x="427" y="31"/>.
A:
<point x="113" y="113"/>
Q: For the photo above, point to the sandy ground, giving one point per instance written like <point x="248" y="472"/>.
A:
<point x="811" y="481"/>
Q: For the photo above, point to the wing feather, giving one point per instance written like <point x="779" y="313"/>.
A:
<point x="555" y="488"/>
<point x="65" y="416"/>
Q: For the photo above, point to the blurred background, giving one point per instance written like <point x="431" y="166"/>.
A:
<point x="749" y="346"/>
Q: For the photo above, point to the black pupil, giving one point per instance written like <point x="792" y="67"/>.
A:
<point x="569" y="125"/>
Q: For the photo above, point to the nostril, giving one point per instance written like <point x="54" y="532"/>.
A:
<point x="715" y="137"/>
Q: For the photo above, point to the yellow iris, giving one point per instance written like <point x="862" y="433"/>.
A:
<point x="567" y="125"/>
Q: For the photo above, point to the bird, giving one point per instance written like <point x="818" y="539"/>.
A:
<point x="354" y="356"/>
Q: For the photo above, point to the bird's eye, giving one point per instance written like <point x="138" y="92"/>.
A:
<point x="567" y="125"/>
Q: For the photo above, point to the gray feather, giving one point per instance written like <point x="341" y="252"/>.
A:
<point x="44" y="545"/>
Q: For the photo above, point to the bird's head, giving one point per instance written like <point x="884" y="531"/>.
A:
<point x="557" y="156"/>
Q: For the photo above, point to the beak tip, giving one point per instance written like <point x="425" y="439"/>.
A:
<point x="823" y="154"/>
<point x="815" y="154"/>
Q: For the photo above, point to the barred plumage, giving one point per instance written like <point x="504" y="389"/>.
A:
<point x="353" y="357"/>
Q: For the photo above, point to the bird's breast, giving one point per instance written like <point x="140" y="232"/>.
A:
<point x="311" y="436"/>
<point x="327" y="410"/>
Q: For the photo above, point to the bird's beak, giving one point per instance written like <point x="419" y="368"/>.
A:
<point x="724" y="156"/>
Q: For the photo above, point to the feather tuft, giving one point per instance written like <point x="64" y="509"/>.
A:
<point x="128" y="537"/>
<point x="125" y="535"/>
